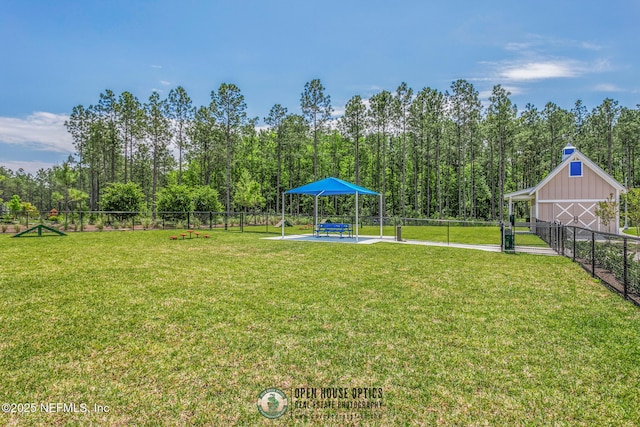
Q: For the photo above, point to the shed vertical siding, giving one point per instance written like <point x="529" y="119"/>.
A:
<point x="572" y="200"/>
<point x="587" y="187"/>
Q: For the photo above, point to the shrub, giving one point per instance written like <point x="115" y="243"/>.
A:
<point x="176" y="201"/>
<point x="53" y="218"/>
<point x="127" y="199"/>
<point x="206" y="199"/>
<point x="4" y="227"/>
<point x="146" y="222"/>
<point x="99" y="225"/>
<point x="16" y="227"/>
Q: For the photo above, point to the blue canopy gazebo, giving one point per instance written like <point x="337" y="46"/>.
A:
<point x="331" y="187"/>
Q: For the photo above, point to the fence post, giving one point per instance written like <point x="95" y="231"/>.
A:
<point x="210" y="220"/>
<point x="574" y="243"/>
<point x="242" y="222"/>
<point x="593" y="254"/>
<point x="624" y="276"/>
<point x="188" y="220"/>
<point x="563" y="233"/>
<point x="448" y="225"/>
<point x="558" y="237"/>
<point x="81" y="223"/>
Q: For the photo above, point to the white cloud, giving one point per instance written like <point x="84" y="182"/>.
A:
<point x="538" y="57"/>
<point x="31" y="167"/>
<point x="156" y="66"/>
<point x="528" y="71"/>
<point x="40" y="131"/>
<point x="536" y="42"/>
<point x="338" y="111"/>
<point x="513" y="90"/>
<point x="484" y="94"/>
<point x="165" y="83"/>
<point x="607" y="87"/>
<point x="591" y="46"/>
<point x="601" y="66"/>
<point x="518" y="46"/>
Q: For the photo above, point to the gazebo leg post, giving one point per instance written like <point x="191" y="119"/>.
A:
<point x="380" y="199"/>
<point x="315" y="211"/>
<point x="357" y="217"/>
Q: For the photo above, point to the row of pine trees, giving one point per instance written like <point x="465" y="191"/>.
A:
<point x="431" y="153"/>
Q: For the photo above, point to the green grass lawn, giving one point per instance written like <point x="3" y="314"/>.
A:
<point x="189" y="332"/>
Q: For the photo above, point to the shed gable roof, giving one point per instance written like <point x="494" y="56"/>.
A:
<point x="528" y="193"/>
<point x="578" y="156"/>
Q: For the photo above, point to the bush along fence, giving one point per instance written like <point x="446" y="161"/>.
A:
<point x="115" y="220"/>
<point x="612" y="258"/>
<point x="442" y="230"/>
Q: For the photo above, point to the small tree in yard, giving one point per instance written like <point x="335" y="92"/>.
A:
<point x="632" y="199"/>
<point x="2" y="178"/>
<point x="607" y="210"/>
<point x="247" y="194"/>
<point x="15" y="205"/>
<point x="126" y="199"/>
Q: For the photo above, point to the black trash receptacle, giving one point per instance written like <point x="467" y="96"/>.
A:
<point x="509" y="244"/>
<point x="398" y="233"/>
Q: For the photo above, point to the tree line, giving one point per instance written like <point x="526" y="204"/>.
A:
<point x="431" y="153"/>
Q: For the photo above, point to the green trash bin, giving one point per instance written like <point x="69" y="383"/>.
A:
<point x="509" y="244"/>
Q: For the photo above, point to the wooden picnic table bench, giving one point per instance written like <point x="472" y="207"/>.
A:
<point x="330" y="227"/>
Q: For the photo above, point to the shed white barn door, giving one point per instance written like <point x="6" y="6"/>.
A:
<point x="581" y="214"/>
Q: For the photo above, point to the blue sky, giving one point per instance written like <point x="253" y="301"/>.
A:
<point x="58" y="54"/>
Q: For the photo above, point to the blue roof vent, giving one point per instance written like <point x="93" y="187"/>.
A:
<point x="567" y="150"/>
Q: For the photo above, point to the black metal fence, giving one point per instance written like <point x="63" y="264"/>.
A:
<point x="260" y="222"/>
<point x="612" y="258"/>
<point x="116" y="220"/>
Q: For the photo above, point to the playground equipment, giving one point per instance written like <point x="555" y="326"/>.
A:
<point x="39" y="229"/>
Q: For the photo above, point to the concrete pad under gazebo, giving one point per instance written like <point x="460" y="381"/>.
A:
<point x="331" y="187"/>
